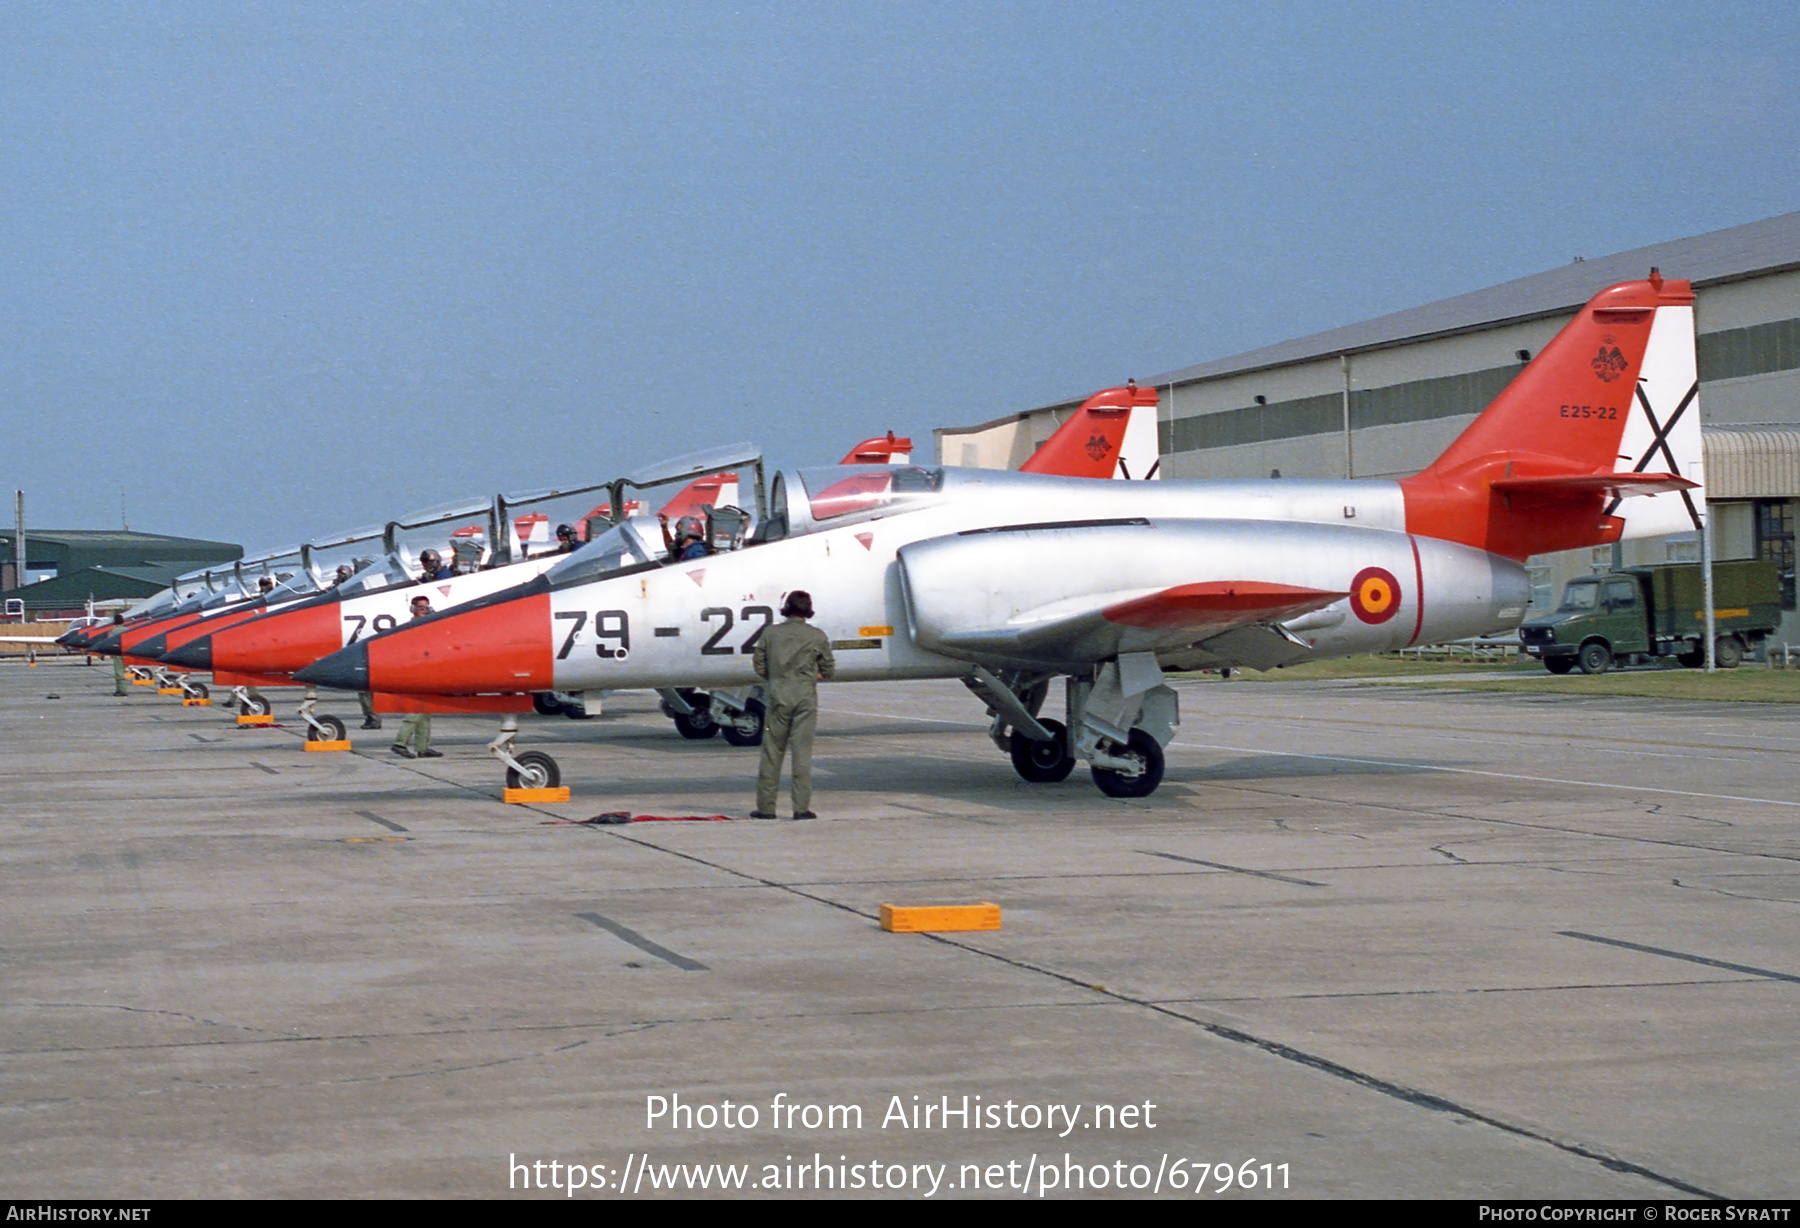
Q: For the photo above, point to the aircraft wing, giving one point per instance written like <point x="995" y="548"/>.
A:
<point x="1159" y="620"/>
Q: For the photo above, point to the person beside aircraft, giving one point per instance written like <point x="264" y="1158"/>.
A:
<point x="414" y="739"/>
<point x="794" y="657"/>
<point x="119" y="687"/>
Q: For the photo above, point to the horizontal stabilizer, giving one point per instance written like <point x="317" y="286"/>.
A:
<point x="1576" y="485"/>
<point x="1218" y="604"/>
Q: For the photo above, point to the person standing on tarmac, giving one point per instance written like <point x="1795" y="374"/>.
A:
<point x="795" y="657"/>
<point x="119" y="687"/>
<point x="364" y="698"/>
<point x="416" y="728"/>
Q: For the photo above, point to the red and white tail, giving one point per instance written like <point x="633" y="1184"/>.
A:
<point x="1596" y="440"/>
<point x="1112" y="435"/>
<point x="886" y="449"/>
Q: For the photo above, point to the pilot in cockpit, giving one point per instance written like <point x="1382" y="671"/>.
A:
<point x="687" y="540"/>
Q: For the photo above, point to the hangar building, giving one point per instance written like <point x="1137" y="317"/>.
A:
<point x="64" y="567"/>
<point x="1381" y="399"/>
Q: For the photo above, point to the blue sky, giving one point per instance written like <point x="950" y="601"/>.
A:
<point x="279" y="270"/>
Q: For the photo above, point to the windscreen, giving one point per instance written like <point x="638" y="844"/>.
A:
<point x="161" y="603"/>
<point x="614" y="550"/>
<point x="866" y="491"/>
<point x="1581" y="596"/>
<point x="300" y="584"/>
<point x="383" y="572"/>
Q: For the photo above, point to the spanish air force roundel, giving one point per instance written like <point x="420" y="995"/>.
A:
<point x="1374" y="594"/>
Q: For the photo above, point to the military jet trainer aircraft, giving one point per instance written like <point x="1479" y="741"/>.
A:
<point x="264" y="645"/>
<point x="1010" y="580"/>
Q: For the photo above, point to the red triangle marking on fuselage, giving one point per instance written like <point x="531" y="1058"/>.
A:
<point x="698" y="577"/>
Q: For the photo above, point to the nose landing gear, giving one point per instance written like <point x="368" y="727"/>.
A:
<point x="320" y="728"/>
<point x="532" y="769"/>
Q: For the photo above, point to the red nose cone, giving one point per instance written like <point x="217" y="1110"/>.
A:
<point x="503" y="647"/>
<point x="279" y="643"/>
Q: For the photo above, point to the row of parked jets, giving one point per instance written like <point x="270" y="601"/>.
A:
<point x="1072" y="568"/>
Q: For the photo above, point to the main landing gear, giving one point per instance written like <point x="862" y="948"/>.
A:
<point x="698" y="715"/>
<point x="531" y="769"/>
<point x="1118" y="722"/>
<point x="573" y="704"/>
<point x="248" y="704"/>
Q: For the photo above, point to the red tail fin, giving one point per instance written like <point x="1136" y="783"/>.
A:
<point x="1088" y="444"/>
<point x="881" y="450"/>
<point x="1509" y="482"/>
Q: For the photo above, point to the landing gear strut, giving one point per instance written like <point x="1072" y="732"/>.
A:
<point x="531" y="769"/>
<point x="320" y="728"/>
<point x="699" y="715"/>
<point x="1118" y="721"/>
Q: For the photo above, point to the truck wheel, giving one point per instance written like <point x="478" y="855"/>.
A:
<point x="1595" y="658"/>
<point x="1692" y="660"/>
<point x="1728" y="652"/>
<point x="1559" y="665"/>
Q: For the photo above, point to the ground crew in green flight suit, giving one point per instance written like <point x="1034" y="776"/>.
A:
<point x="795" y="657"/>
<point x="119" y="687"/>
<point x="416" y="728"/>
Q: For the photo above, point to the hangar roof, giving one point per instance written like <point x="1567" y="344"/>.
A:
<point x="1768" y="246"/>
<point x="1755" y="461"/>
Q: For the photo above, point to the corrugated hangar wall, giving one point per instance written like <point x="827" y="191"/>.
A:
<point x="1382" y="398"/>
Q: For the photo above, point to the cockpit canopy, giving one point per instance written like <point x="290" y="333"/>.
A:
<point x="863" y="492"/>
<point x="618" y="548"/>
<point x="384" y="572"/>
<point x="301" y="584"/>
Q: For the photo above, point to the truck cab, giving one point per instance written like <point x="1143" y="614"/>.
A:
<point x="1599" y="621"/>
<point x="1656" y="612"/>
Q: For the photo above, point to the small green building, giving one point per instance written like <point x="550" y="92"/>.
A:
<point x="104" y="564"/>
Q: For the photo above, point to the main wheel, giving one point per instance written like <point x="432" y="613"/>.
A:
<point x="545" y="704"/>
<point x="753" y="711"/>
<point x="1043" y="763"/>
<point x="1117" y="784"/>
<point x="255" y="705"/>
<point x="540" y="772"/>
<point x="334" y="728"/>
<point x="1728" y="652"/>
<point x="697" y="725"/>
<point x="1595" y="658"/>
<point x="1559" y="665"/>
<point x="199" y="690"/>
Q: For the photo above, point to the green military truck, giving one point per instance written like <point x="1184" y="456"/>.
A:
<point x="1644" y="612"/>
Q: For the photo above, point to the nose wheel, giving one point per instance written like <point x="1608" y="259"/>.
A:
<point x="535" y="770"/>
<point x="531" y="769"/>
